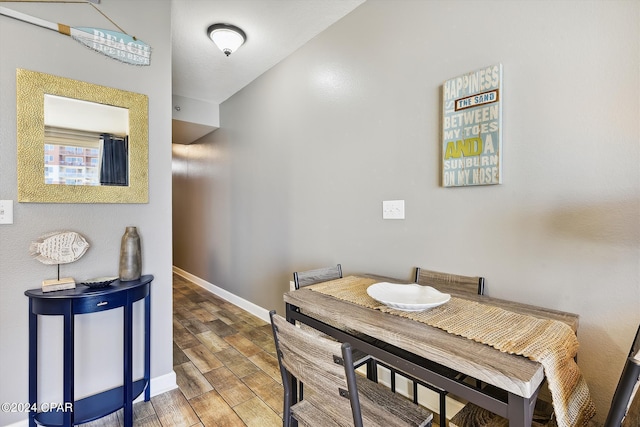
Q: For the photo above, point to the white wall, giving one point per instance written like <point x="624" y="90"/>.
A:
<point x="296" y="175"/>
<point x="34" y="48"/>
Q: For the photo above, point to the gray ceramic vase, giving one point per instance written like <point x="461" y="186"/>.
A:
<point x="130" y="256"/>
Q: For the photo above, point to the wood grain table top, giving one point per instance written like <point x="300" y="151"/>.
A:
<point x="513" y="373"/>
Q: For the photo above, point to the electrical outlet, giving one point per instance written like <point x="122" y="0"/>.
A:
<point x="6" y="211"/>
<point x="393" y="209"/>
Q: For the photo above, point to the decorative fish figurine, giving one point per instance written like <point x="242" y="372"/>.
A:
<point x="60" y="247"/>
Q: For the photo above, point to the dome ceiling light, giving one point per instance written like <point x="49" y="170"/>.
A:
<point x="227" y="37"/>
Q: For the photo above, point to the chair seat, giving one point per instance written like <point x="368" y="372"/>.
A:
<point x="308" y="415"/>
<point x="379" y="407"/>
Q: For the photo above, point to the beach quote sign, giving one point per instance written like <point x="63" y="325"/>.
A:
<point x="472" y="128"/>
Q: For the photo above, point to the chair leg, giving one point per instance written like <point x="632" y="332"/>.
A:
<point x="286" y="411"/>
<point x="443" y="409"/>
<point x="372" y="370"/>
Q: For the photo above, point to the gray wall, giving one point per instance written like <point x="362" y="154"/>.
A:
<point x="295" y="176"/>
<point x="34" y="48"/>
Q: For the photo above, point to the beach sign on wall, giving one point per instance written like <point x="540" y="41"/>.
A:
<point x="472" y="128"/>
<point x="114" y="44"/>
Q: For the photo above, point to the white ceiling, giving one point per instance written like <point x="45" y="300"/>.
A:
<point x="274" y="28"/>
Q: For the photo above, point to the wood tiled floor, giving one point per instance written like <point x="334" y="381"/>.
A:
<point x="226" y="368"/>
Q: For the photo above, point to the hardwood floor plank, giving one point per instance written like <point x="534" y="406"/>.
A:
<point x="256" y="413"/>
<point x="150" y="421"/>
<point x="190" y="381"/>
<point x="210" y="306"/>
<point x="110" y="420"/>
<point x="203" y="314"/>
<point x="267" y="389"/>
<point x="202" y="358"/>
<point x="173" y="409"/>
<point x="236" y="362"/>
<point x="268" y="363"/>
<point x="213" y="342"/>
<point x="227" y="316"/>
<point x="218" y="378"/>
<point x="182" y="337"/>
<point x="243" y="327"/>
<point x="220" y="328"/>
<point x="229" y="386"/>
<point x="243" y="345"/>
<point x="262" y="339"/>
<point x="178" y="355"/>
<point x="214" y="412"/>
<point x="194" y="325"/>
<point x="141" y="410"/>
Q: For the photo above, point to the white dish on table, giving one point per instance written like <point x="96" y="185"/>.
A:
<point x="407" y="297"/>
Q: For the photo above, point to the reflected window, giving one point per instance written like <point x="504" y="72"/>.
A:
<point x="85" y="143"/>
<point x="74" y="157"/>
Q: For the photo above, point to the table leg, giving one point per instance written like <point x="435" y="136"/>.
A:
<point x="521" y="410"/>
<point x="68" y="364"/>
<point x="147" y="346"/>
<point x="128" y="362"/>
<point x="33" y="363"/>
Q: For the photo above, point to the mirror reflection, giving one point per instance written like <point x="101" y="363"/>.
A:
<point x="85" y="143"/>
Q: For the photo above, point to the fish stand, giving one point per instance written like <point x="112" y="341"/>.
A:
<point x="59" y="248"/>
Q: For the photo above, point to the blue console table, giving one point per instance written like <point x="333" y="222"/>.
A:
<point x="83" y="300"/>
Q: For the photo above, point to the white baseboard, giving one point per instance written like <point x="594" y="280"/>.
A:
<point x="159" y="385"/>
<point x="252" y="308"/>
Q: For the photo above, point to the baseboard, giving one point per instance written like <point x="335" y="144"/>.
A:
<point x="159" y="385"/>
<point x="252" y="308"/>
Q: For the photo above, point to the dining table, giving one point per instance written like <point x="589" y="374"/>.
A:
<point x="342" y="309"/>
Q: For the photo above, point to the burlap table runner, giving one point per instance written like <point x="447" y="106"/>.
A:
<point x="551" y="343"/>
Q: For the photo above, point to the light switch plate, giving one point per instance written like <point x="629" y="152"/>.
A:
<point x="6" y="211"/>
<point x="393" y="209"/>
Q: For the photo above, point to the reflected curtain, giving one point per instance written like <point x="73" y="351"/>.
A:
<point x="114" y="169"/>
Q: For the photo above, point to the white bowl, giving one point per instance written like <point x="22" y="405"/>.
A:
<point x="407" y="297"/>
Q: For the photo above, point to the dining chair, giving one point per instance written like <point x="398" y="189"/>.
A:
<point x="625" y="405"/>
<point x="448" y="283"/>
<point x="335" y="395"/>
<point x="311" y="277"/>
<point x="325" y="274"/>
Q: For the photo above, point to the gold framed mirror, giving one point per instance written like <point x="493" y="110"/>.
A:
<point x="72" y="172"/>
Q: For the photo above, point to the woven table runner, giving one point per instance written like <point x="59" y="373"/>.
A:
<point x="551" y="343"/>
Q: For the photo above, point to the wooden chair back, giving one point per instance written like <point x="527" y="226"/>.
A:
<point x="318" y="363"/>
<point x="450" y="283"/>
<point x="310" y="277"/>
<point x="625" y="405"/>
<point x="334" y="394"/>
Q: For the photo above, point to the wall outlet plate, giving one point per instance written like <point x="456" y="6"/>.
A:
<point x="393" y="209"/>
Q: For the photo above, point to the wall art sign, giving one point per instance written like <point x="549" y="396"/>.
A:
<point x="113" y="44"/>
<point x="472" y="128"/>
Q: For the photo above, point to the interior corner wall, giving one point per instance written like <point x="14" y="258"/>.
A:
<point x="98" y="336"/>
<point x="296" y="175"/>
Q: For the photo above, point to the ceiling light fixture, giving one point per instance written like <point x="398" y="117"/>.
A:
<point x="227" y="37"/>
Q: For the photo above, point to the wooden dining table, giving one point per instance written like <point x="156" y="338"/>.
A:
<point x="429" y="353"/>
